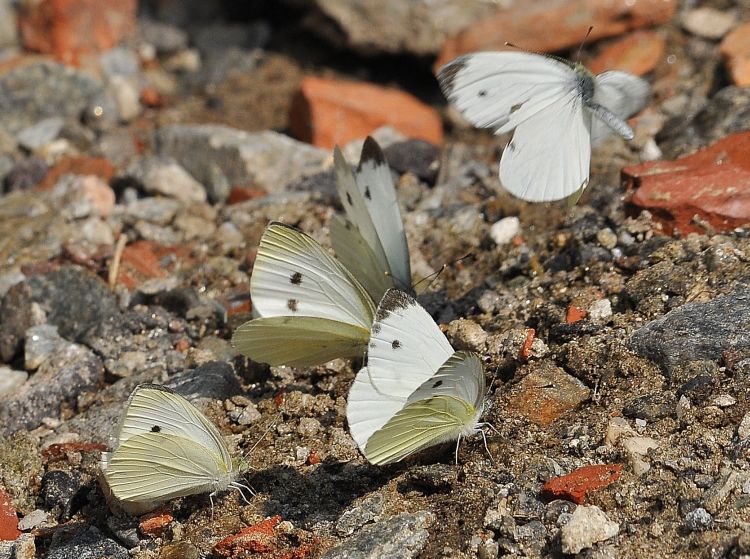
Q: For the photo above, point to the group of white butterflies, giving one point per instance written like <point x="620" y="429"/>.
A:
<point x="414" y="390"/>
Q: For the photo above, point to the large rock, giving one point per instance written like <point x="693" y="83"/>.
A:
<point x="72" y="370"/>
<point x="35" y="90"/>
<point x="219" y="155"/>
<point x="696" y="331"/>
<point x="394" y="26"/>
<point x="70" y="298"/>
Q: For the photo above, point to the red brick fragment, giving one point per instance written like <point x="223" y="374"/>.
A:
<point x="8" y="519"/>
<point x="258" y="538"/>
<point x="712" y="184"/>
<point x="73" y="30"/>
<point x="242" y="193"/>
<point x="326" y="112"/>
<point x="574" y="314"/>
<point x="77" y="165"/>
<point x="526" y="347"/>
<point x="637" y="53"/>
<point x="154" y="523"/>
<point x="575" y="485"/>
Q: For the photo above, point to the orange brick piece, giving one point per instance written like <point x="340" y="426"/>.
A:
<point x="258" y="538"/>
<point x="326" y="112"/>
<point x="575" y="485"/>
<point x="71" y="30"/>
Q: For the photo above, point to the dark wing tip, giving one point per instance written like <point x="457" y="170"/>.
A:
<point x="393" y="300"/>
<point x="447" y="74"/>
<point x="371" y="152"/>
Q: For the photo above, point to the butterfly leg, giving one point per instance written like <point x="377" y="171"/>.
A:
<point x="484" y="439"/>
<point x="211" y="499"/>
<point x="458" y="442"/>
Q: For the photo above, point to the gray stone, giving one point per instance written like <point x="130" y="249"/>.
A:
<point x="651" y="407"/>
<point x="8" y="25"/>
<point x="716" y="496"/>
<point x="417" y="157"/>
<point x="11" y="379"/>
<point x="400" y="537"/>
<point x="60" y="380"/>
<point x="126" y="94"/>
<point x="120" y="61"/>
<point x="25" y="174"/>
<point x="368" y="510"/>
<point x="215" y="380"/>
<point x="72" y="299"/>
<point x="84" y="542"/>
<point x="392" y="26"/>
<point x="587" y="525"/>
<point x="163" y="175"/>
<point x="160" y="211"/>
<point x="725" y="113"/>
<point x="696" y="331"/>
<point x="503" y="231"/>
<point x="42" y="89"/>
<point x="165" y="38"/>
<point x="708" y="22"/>
<point x="41" y="133"/>
<point x="32" y="520"/>
<point x="41" y="342"/>
<point x="698" y="520"/>
<point x="267" y="159"/>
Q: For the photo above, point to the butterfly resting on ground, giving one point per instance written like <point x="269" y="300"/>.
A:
<point x="414" y="391"/>
<point x="313" y="307"/>
<point x="165" y="448"/>
<point x="557" y="108"/>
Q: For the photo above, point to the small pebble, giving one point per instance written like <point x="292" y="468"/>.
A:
<point x="600" y="310"/>
<point x="606" y="238"/>
<point x="698" y="520"/>
<point x="587" y="525"/>
<point x="708" y="23"/>
<point x="743" y="430"/>
<point x="503" y="231"/>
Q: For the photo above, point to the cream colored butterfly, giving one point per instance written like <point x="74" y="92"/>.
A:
<point x="165" y="448"/>
<point x="313" y="307"/>
<point x="415" y="391"/>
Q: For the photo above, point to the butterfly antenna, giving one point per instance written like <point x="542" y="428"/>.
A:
<point x="580" y="48"/>
<point x="271" y="426"/>
<point x="436" y="275"/>
<point x="540" y="53"/>
<point x="486" y="448"/>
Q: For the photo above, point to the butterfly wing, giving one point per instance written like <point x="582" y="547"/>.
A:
<point x="548" y="157"/>
<point x="369" y="199"/>
<point x="443" y="408"/>
<point x="500" y="90"/>
<point x="406" y="348"/>
<point x="299" y="341"/>
<point x="294" y="276"/>
<point x="153" y="408"/>
<point x="621" y="93"/>
<point x="153" y="467"/>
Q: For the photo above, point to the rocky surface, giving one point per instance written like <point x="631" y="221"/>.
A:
<point x="141" y="158"/>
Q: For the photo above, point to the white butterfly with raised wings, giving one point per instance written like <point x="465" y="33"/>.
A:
<point x="313" y="307"/>
<point x="165" y="448"/>
<point x="557" y="108"/>
<point x="415" y="391"/>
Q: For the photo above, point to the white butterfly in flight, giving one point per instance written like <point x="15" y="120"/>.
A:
<point x="165" y="448"/>
<point x="557" y="108"/>
<point x="313" y="307"/>
<point x="415" y="391"/>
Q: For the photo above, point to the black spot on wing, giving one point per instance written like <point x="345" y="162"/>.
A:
<point x="367" y="193"/>
<point x="511" y="146"/>
<point x="392" y="301"/>
<point x="371" y="152"/>
<point x="292" y="304"/>
<point x="395" y="344"/>
<point x="516" y="107"/>
<point x="447" y="74"/>
<point x="156" y="429"/>
<point x="438" y="383"/>
<point x="482" y="93"/>
<point x="375" y="330"/>
<point x="349" y="199"/>
<point x="296" y="278"/>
